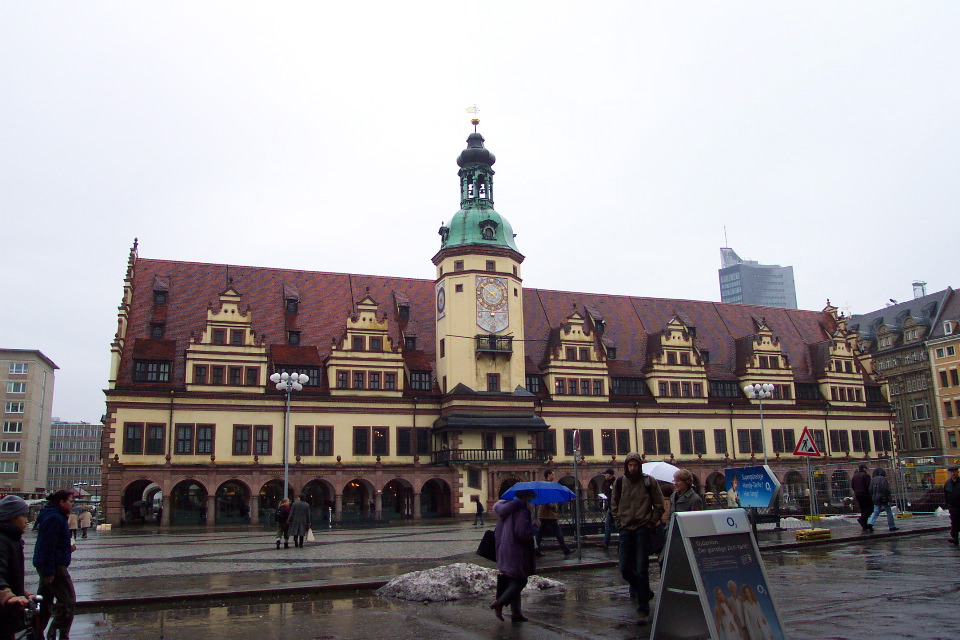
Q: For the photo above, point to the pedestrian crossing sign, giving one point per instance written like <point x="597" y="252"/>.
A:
<point x="806" y="446"/>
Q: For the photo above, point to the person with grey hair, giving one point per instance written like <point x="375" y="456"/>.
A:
<point x="13" y="595"/>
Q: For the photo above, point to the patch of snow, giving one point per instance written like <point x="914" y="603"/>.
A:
<point x="455" y="582"/>
<point x="941" y="513"/>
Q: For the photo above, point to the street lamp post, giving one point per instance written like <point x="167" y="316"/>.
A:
<point x="761" y="392"/>
<point x="288" y="382"/>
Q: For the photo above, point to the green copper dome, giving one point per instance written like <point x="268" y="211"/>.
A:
<point x="477" y="223"/>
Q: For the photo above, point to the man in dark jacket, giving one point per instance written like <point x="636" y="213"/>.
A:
<point x="51" y="557"/>
<point x="13" y="596"/>
<point x="951" y="490"/>
<point x="636" y="504"/>
<point x="860" y="484"/>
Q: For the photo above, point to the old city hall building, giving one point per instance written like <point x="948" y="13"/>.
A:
<point x="424" y="395"/>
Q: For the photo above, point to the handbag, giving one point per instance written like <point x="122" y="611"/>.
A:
<point x="488" y="546"/>
<point x="310" y="537"/>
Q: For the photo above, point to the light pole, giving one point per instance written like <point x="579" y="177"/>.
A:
<point x="761" y="392"/>
<point x="288" y="382"/>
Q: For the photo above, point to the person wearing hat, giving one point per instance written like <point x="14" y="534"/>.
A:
<point x="951" y="490"/>
<point x="51" y="557"/>
<point x="13" y="595"/>
<point x="608" y="478"/>
<point x="860" y="485"/>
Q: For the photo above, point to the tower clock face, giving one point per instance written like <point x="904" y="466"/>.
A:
<point x="492" y="308"/>
<point x="441" y="301"/>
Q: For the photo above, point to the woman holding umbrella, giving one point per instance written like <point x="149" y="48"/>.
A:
<point x="515" y="552"/>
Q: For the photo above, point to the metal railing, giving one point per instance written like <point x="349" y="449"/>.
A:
<point x="494" y="343"/>
<point x="490" y="455"/>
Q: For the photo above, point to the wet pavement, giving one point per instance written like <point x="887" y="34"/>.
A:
<point x="234" y="583"/>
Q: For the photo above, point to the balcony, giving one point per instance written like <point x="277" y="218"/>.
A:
<point x="491" y="343"/>
<point x="490" y="455"/>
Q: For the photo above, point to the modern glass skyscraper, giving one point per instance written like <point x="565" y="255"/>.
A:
<point x="749" y="282"/>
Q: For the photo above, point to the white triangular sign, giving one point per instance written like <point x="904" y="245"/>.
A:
<point x="806" y="446"/>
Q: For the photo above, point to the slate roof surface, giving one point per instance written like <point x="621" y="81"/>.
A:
<point x="925" y="309"/>
<point x="328" y="299"/>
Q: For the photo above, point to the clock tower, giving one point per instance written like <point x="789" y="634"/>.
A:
<point x="479" y="295"/>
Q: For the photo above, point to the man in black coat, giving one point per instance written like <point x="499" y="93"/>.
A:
<point x="860" y="484"/>
<point x="951" y="490"/>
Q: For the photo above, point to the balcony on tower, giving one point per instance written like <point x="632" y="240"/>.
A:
<point x="491" y="343"/>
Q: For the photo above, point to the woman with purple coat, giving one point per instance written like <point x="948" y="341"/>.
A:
<point x="516" y="558"/>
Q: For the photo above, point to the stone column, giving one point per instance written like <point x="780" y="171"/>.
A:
<point x="337" y="507"/>
<point x="211" y="510"/>
<point x="255" y="509"/>
<point x="416" y="506"/>
<point x="165" y="517"/>
<point x="378" y="505"/>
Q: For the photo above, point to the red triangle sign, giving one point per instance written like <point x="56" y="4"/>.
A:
<point x="806" y="446"/>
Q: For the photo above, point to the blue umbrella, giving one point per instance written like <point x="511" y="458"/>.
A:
<point x="547" y="492"/>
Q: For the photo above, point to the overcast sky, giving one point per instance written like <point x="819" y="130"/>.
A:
<point x="822" y="135"/>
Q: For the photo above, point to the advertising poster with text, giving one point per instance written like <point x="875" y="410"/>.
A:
<point x="735" y="587"/>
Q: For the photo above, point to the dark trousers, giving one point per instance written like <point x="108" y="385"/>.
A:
<point x="954" y="524"/>
<point x="59" y="599"/>
<point x="551" y="528"/>
<point x="607" y="528"/>
<point x="508" y="591"/>
<point x="866" y="507"/>
<point x="478" y="517"/>
<point x="634" y="562"/>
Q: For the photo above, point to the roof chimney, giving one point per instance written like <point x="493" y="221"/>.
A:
<point x="919" y="289"/>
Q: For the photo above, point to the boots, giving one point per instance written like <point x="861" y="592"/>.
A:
<point x="278" y="543"/>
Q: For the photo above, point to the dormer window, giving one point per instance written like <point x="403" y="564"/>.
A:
<point x="357" y="344"/>
<point x="293" y="337"/>
<point x="612" y="353"/>
<point x="219" y="336"/>
<point x="159" y="297"/>
<point x="376" y="344"/>
<point x="292" y="306"/>
<point x="156" y="331"/>
<point x="236" y="337"/>
<point x="684" y="358"/>
<point x="948" y="328"/>
<point x="404" y="312"/>
<point x="410" y="343"/>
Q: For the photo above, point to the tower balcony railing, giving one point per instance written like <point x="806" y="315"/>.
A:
<point x="490" y="455"/>
<point x="490" y="343"/>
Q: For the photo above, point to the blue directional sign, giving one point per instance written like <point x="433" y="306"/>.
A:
<point x="751" y="486"/>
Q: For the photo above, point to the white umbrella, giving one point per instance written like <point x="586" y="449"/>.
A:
<point x="662" y="471"/>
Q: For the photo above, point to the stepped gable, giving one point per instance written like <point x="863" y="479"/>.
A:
<point x="328" y="299"/>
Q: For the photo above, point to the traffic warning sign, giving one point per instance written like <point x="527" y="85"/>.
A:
<point x="806" y="446"/>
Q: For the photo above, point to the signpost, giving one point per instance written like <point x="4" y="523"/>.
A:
<point x="808" y="448"/>
<point x="714" y="584"/>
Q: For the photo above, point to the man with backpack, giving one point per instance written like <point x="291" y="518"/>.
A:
<point x="636" y="504"/>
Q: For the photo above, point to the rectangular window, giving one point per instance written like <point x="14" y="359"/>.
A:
<point x="623" y="441"/>
<point x="571" y="353"/>
<point x="404" y="441"/>
<point x="861" y="440"/>
<point x="293" y="305"/>
<point x="359" y="378"/>
<point x="381" y="441"/>
<point x="943" y="379"/>
<point x="241" y="439"/>
<point x="586" y="442"/>
<point x="236" y="375"/>
<point x="204" y="439"/>
<point x="584" y="387"/>
<point x="948" y="409"/>
<point x="684" y="358"/>
<point x="155" y="438"/>
<point x="784" y="440"/>
<point x="954" y="376"/>
<point x="493" y="382"/>
<point x="749" y="441"/>
<point x="881" y="441"/>
<point x="664" y="389"/>
<point x="303" y="441"/>
<point x="253" y="376"/>
<point x="18" y="368"/>
<point x="533" y="383"/>
<point x="361" y="441"/>
<point x="585" y="354"/>
<point x="13" y="407"/>
<point x="374" y="379"/>
<point x="950" y="352"/>
<point x="343" y="378"/>
<point x="219" y="336"/>
<point x="561" y="386"/>
<point x="686" y="389"/>
<point x="458" y="265"/>
<point x="184" y="443"/>
<point x="473" y="478"/>
<point x="423" y="440"/>
<point x="217" y="375"/>
<point x="649" y="441"/>
<point x="839" y="441"/>
<point x="324" y="441"/>
<point x="608" y="443"/>
<point x="598" y="387"/>
<point x="263" y="440"/>
<point x="13" y="427"/>
<point x="420" y="381"/>
<point x="10" y="446"/>
<point x="389" y="381"/>
<point x="293" y="337"/>
<point x="151" y="371"/>
<point x="549" y="443"/>
<point x="720" y="440"/>
<point x="236" y="337"/>
<point x="376" y="344"/>
<point x="686" y="442"/>
<point x="491" y="265"/>
<point x="16" y="387"/>
<point x="357" y="343"/>
<point x="675" y="389"/>
<point x="9" y="467"/>
<point x="200" y="374"/>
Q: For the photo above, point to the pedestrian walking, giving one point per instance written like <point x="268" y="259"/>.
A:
<point x="283" y="523"/>
<point x="547" y="523"/>
<point x="516" y="559"/>
<point x="951" y="491"/>
<point x="86" y="519"/>
<point x="51" y="557"/>
<point x="608" y="477"/>
<point x="479" y="516"/>
<point x="299" y="520"/>
<point x="637" y="506"/>
<point x="881" y="496"/>
<point x="13" y="596"/>
<point x="73" y="521"/>
<point x="860" y="485"/>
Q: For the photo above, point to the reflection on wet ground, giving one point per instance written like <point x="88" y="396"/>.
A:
<point x="896" y="587"/>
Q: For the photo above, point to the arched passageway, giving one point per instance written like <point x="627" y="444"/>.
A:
<point x="435" y="499"/>
<point x="397" y="500"/>
<point x="188" y="503"/>
<point x="232" y="503"/>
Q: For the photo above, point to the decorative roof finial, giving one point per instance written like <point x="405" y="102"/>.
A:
<point x="474" y="120"/>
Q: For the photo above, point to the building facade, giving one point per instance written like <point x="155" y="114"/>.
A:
<point x="943" y="351"/>
<point x="27" y="377"/>
<point x="425" y="394"/>
<point x="749" y="282"/>
<point x="75" y="459"/>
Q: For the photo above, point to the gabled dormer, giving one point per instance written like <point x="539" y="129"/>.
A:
<point x="761" y="360"/>
<point x="836" y="364"/>
<point x="675" y="367"/>
<point x="225" y="351"/>
<point x="575" y="362"/>
<point x="365" y="360"/>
